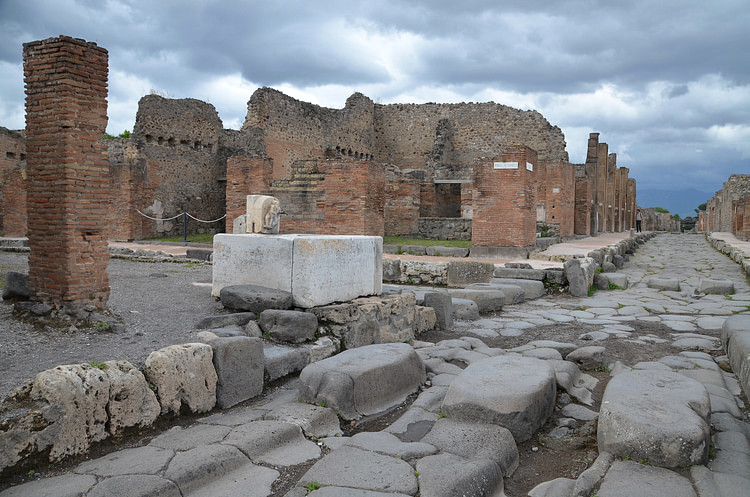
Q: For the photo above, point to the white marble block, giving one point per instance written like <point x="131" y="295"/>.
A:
<point x="263" y="213"/>
<point x="315" y="269"/>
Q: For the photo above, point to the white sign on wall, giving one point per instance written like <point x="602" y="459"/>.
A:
<point x="506" y="165"/>
<point x="555" y="190"/>
<point x="529" y="166"/>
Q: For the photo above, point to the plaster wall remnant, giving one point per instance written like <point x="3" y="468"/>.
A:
<point x="68" y="174"/>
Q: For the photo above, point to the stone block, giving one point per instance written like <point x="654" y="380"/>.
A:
<point x="461" y="273"/>
<point x="449" y="475"/>
<point x="487" y="300"/>
<point x="354" y="468"/>
<point x="511" y="391"/>
<point x="580" y="275"/>
<point x="315" y="269"/>
<point x="519" y="273"/>
<point x="447" y="251"/>
<point x="464" y="309"/>
<point x="239" y="367"/>
<point x="183" y="374"/>
<point x="532" y="288"/>
<point x="663" y="283"/>
<point x="715" y="286"/>
<point x="659" y="416"/>
<point x="288" y="326"/>
<point x="221" y="320"/>
<point x="254" y="298"/>
<point x="443" y="305"/>
<point x="131" y="401"/>
<point x="391" y="270"/>
<point x="16" y="286"/>
<point x="281" y="360"/>
<point x="601" y="282"/>
<point x="475" y="441"/>
<point x="363" y="381"/>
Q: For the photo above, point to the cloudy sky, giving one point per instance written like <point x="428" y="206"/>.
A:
<point x="665" y="82"/>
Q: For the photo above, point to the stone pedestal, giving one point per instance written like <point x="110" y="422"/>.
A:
<point x="315" y="269"/>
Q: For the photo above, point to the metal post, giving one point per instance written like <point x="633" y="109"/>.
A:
<point x="184" y="226"/>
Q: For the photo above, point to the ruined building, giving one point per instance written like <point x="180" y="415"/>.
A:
<point x="480" y="171"/>
<point x="729" y="210"/>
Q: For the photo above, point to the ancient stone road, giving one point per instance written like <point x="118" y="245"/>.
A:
<point x="243" y="451"/>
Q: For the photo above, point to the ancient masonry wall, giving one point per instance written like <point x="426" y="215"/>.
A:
<point x="505" y="200"/>
<point x="293" y="130"/>
<point x="556" y="196"/>
<point x="402" y="202"/>
<point x="13" y="220"/>
<point x="333" y="196"/>
<point x="68" y="177"/>
<point x="658" y="221"/>
<point x="728" y="210"/>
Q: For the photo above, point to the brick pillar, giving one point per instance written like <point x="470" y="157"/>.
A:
<point x="68" y="193"/>
<point x="504" y="203"/>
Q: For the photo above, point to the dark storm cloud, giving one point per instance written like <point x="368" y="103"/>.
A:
<point x="667" y="83"/>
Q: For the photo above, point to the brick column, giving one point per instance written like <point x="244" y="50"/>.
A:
<point x="246" y="176"/>
<point x="68" y="192"/>
<point x="504" y="203"/>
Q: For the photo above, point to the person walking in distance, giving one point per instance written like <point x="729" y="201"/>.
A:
<point x="638" y="220"/>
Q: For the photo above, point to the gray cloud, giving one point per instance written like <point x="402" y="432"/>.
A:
<point x="660" y="80"/>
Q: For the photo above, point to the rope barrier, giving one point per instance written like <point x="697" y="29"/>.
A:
<point x="178" y="215"/>
<point x="202" y="221"/>
<point x="158" y="219"/>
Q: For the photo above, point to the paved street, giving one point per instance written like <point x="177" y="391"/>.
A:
<point x="267" y="448"/>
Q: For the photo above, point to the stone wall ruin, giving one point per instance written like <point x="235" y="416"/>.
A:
<point x="401" y="162"/>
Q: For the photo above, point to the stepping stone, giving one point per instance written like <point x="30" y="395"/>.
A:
<point x="511" y="391"/>
<point x="363" y="381"/>
<point x="448" y="475"/>
<point x="357" y="468"/>
<point x="663" y="283"/>
<point x="630" y="479"/>
<point x="715" y="286"/>
<point x="644" y="412"/>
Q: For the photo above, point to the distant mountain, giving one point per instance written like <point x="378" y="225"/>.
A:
<point x="682" y="202"/>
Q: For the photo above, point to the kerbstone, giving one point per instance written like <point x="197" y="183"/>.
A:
<point x="183" y="374"/>
<point x="511" y="391"/>
<point x="464" y="309"/>
<point x="487" y="300"/>
<point x="443" y="306"/>
<point x="461" y="273"/>
<point x="288" y="326"/>
<point x="519" y="273"/>
<point x="221" y="320"/>
<point x="363" y="381"/>
<point x="659" y="416"/>
<point x="580" y="275"/>
<point x="239" y="365"/>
